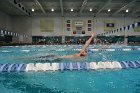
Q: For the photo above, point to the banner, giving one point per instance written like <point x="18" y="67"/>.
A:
<point x="46" y="25"/>
<point x="109" y="25"/>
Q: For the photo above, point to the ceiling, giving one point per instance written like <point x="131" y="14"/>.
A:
<point x="62" y="7"/>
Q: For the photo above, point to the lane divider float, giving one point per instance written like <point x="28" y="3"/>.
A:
<point x="68" y="66"/>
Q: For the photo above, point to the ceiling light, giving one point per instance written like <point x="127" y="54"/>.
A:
<point x="127" y="11"/>
<point x="90" y="9"/>
<point x="109" y="10"/>
<point x="71" y="10"/>
<point x="33" y="10"/>
<point x="52" y="9"/>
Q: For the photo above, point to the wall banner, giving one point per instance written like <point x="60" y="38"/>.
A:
<point x="109" y="25"/>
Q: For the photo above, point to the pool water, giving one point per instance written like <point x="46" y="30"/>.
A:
<point x="92" y="81"/>
<point x="36" y="54"/>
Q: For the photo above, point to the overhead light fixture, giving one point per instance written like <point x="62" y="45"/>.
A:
<point x="127" y="11"/>
<point x="52" y="9"/>
<point x="71" y="10"/>
<point x="90" y="9"/>
<point x="109" y="10"/>
<point x="33" y="9"/>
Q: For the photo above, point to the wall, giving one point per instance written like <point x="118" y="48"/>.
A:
<point x="131" y="31"/>
<point x="59" y="25"/>
<point x="5" y="21"/>
<point x="31" y="25"/>
<point x="23" y="26"/>
<point x="120" y="22"/>
<point x="84" y="19"/>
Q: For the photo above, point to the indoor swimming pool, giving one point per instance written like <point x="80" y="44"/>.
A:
<point x="70" y="81"/>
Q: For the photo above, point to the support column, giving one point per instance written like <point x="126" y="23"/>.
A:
<point x="126" y="40"/>
<point x="94" y="29"/>
<point x="15" y="39"/>
<point x="125" y="35"/>
<point x="20" y="38"/>
<point x="63" y="30"/>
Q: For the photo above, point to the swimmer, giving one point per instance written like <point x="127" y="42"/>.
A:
<point x="48" y="58"/>
<point x="54" y="58"/>
<point x="83" y="52"/>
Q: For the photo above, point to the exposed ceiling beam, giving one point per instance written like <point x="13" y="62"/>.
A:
<point x="42" y="9"/>
<point x="15" y="5"/>
<point x="62" y="9"/>
<point x="83" y="5"/>
<point x="125" y="6"/>
<point x="108" y="2"/>
<point x="135" y="11"/>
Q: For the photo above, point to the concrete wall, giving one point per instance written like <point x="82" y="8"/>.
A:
<point x="59" y="25"/>
<point x="31" y="25"/>
<point x="85" y="19"/>
<point x="58" y="30"/>
<point x="23" y="26"/>
<point x="20" y="25"/>
<point x="120" y="22"/>
<point x="5" y="21"/>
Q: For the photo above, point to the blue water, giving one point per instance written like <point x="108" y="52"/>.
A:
<point x="99" y="81"/>
<point x="32" y="54"/>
